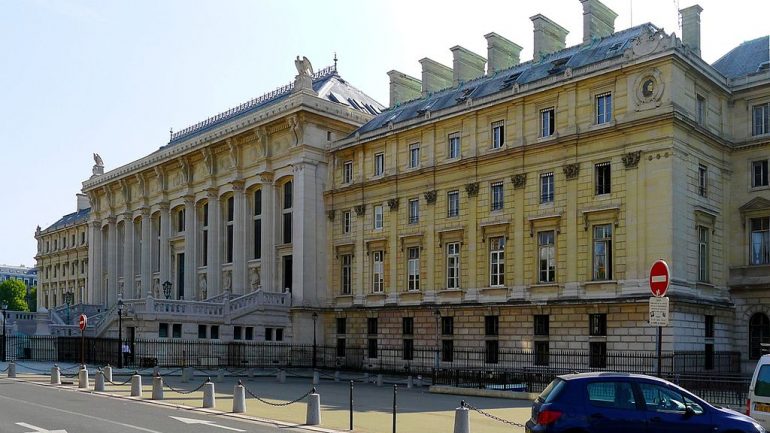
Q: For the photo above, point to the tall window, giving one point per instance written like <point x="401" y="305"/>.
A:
<point x="597" y="350"/>
<point x="371" y="330"/>
<point x="497" y="261"/>
<point x="709" y="346"/>
<point x="414" y="155"/>
<point x="603" y="108"/>
<point x="378" y="281"/>
<point x="414" y="211"/>
<point x="759" y="174"/>
<point x="760" y="241"/>
<point x="453" y="204"/>
<point x="453" y="265"/>
<point x="407" y="330"/>
<point x="378" y="217"/>
<point x="447" y="344"/>
<point x="379" y="164"/>
<point x="347" y="172"/>
<point x="546" y="257"/>
<point x="703" y="254"/>
<point x="546" y="188"/>
<point x="413" y="268"/>
<point x="204" y="234"/>
<point x="547" y="119"/>
<point x="491" y="345"/>
<point x="761" y="119"/>
<point x="498" y="134"/>
<point x="347" y="218"/>
<point x="347" y="273"/>
<point x="703" y="180"/>
<point x="602" y="178"/>
<point x="602" y="252"/>
<point x="230" y="214"/>
<point x="287" y="205"/>
<point x="759" y="333"/>
<point x="341" y="331"/>
<point x="257" y="247"/>
<point x="453" y="150"/>
<point x="497" y="196"/>
<point x="180" y="220"/>
<point x="700" y="109"/>
<point x="541" y="331"/>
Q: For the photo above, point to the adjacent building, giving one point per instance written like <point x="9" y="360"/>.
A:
<point x="22" y="273"/>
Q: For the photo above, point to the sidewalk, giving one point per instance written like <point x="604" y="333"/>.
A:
<point x="418" y="411"/>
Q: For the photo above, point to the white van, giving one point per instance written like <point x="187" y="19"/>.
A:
<point x="758" y="401"/>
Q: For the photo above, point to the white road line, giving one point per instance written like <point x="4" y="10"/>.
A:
<point x="38" y="429"/>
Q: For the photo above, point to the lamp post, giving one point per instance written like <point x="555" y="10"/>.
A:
<point x="167" y="289"/>
<point x="4" y="307"/>
<point x="315" y="319"/>
<point x="120" y="333"/>
<point x="437" y="315"/>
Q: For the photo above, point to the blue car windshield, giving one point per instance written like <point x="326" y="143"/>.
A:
<point x="762" y="387"/>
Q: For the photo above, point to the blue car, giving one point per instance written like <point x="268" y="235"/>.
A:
<point x="628" y="403"/>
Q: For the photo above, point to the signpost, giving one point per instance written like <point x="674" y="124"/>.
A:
<point x="82" y="323"/>
<point x="660" y="279"/>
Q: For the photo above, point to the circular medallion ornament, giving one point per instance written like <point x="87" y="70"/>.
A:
<point x="649" y="90"/>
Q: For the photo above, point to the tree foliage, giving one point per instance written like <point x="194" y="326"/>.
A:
<point x="14" y="292"/>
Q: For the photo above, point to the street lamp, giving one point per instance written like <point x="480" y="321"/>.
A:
<point x="315" y="319"/>
<point x="4" y="307"/>
<point x="167" y="289"/>
<point x="120" y="333"/>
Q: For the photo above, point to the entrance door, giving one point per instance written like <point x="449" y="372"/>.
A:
<point x="180" y="275"/>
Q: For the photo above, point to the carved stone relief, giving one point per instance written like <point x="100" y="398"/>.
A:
<point x="430" y="196"/>
<point x="631" y="159"/>
<point x="571" y="171"/>
<point x="472" y="189"/>
<point x="202" y="287"/>
<point x="519" y="180"/>
<point x="393" y="204"/>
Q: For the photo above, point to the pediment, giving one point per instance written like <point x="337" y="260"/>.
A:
<point x="757" y="203"/>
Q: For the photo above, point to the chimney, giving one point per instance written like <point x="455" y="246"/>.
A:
<point x="403" y="87"/>
<point x="598" y="20"/>
<point x="83" y="202"/>
<point x="549" y="36"/>
<point x="435" y="76"/>
<point x="466" y="65"/>
<point x="691" y="27"/>
<point x="501" y="53"/>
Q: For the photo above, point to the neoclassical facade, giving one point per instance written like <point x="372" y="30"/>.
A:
<point x="521" y="205"/>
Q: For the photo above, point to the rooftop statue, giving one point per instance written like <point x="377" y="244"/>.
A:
<point x="304" y="67"/>
<point x="98" y="160"/>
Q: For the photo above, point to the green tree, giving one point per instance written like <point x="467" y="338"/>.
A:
<point x="13" y="292"/>
<point x="32" y="299"/>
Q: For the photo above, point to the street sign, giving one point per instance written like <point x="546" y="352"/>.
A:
<point x="83" y="322"/>
<point x="659" y="312"/>
<point x="660" y="277"/>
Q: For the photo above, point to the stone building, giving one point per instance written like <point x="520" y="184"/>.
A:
<point x="520" y="206"/>
<point x="62" y="258"/>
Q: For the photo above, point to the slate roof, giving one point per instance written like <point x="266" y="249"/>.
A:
<point x="70" y="219"/>
<point x="745" y="59"/>
<point x="327" y="83"/>
<point x="573" y="57"/>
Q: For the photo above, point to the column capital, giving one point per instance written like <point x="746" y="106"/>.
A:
<point x="97" y="224"/>
<point x="266" y="178"/>
<point x="128" y="216"/>
<point x="212" y="193"/>
<point x="164" y="206"/>
<point x="238" y="185"/>
<point x="145" y="211"/>
<point x="188" y="199"/>
<point x="111" y="220"/>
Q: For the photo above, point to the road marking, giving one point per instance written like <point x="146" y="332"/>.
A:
<point x="200" y="421"/>
<point x="658" y="278"/>
<point x="39" y="429"/>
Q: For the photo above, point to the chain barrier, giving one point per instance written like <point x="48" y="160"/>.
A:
<point x="120" y="383"/>
<point x="183" y="392"/>
<point x="76" y="368"/>
<point x="69" y="376"/>
<point x="5" y="369"/>
<point x="31" y="368"/>
<point x="464" y="403"/>
<point x="248" y="391"/>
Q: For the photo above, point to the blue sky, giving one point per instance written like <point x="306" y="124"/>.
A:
<point x="112" y="76"/>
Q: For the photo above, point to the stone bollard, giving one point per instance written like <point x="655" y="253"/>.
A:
<point x="418" y="382"/>
<point x="83" y="377"/>
<point x="185" y="375"/>
<point x="12" y="369"/>
<point x="316" y="378"/>
<point x="209" y="401"/>
<point x="313" y="409"/>
<point x="136" y="385"/>
<point x="462" y="422"/>
<point x="55" y="375"/>
<point x="155" y="371"/>
<point x="157" y="388"/>
<point x="409" y="382"/>
<point x="239" y="398"/>
<point x="220" y="375"/>
<point x="379" y="380"/>
<point x="107" y="373"/>
<point x="336" y="376"/>
<point x="99" y="381"/>
<point x="281" y="376"/>
<point x="250" y="373"/>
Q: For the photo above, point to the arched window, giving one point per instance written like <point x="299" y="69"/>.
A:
<point x="759" y="332"/>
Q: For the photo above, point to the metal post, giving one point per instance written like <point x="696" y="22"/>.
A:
<point x="351" y="405"/>
<point x="82" y="345"/>
<point x="120" y="333"/>
<point x="315" y="319"/>
<point x="660" y="344"/>
<point x="395" y="393"/>
<point x="5" y="307"/>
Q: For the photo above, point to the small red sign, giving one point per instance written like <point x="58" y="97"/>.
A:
<point x="660" y="278"/>
<point x="83" y="322"/>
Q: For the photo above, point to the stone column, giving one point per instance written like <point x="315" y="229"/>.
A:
<point x="190" y="229"/>
<point x="165" y="254"/>
<point x="304" y="247"/>
<point x="267" y="263"/>
<point x="112" y="262"/>
<point x="239" y="239"/>
<point x="94" y="261"/>
<point x="214" y="267"/>
<point x="128" y="256"/>
<point x="146" y="265"/>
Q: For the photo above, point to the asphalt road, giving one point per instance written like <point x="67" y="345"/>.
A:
<point x="26" y="407"/>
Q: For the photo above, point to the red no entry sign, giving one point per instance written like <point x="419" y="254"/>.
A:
<point x="83" y="322"/>
<point x="660" y="277"/>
